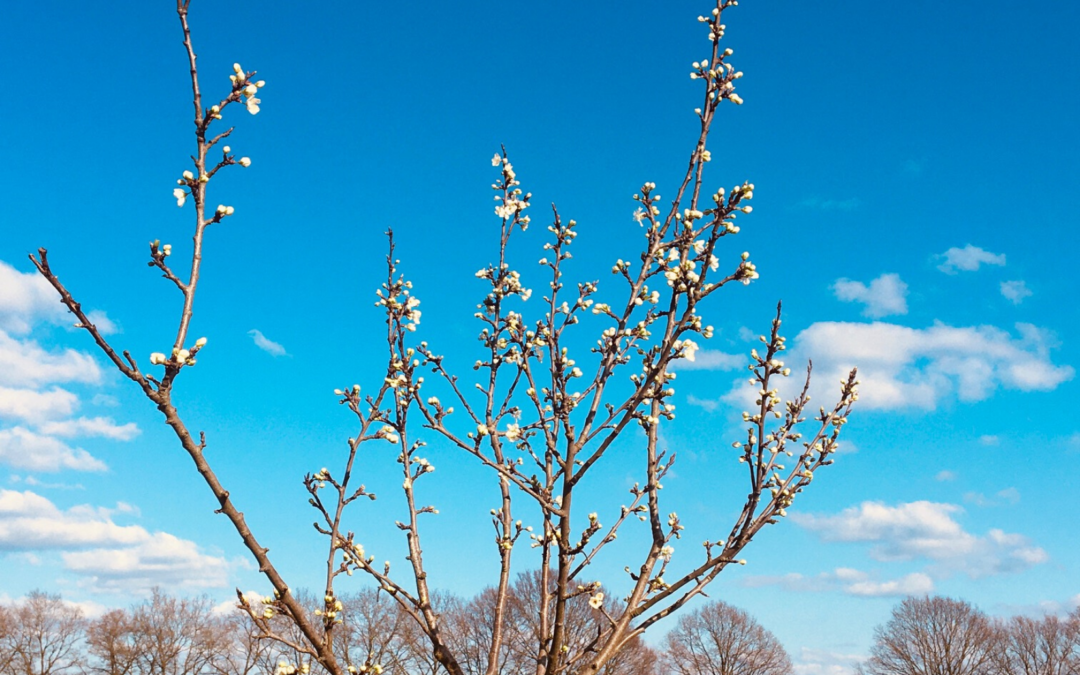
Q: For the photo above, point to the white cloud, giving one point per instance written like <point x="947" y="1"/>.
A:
<point x="885" y="295"/>
<point x="822" y="662"/>
<point x="160" y="560"/>
<point x="902" y="367"/>
<point x="1009" y="495"/>
<point x="830" y="204"/>
<point x="111" y="558"/>
<point x="102" y="322"/>
<point x="25" y="298"/>
<point x="36" y="407"/>
<point x="915" y="583"/>
<point x="968" y="259"/>
<point x="30" y="522"/>
<point x="926" y="530"/>
<point x="21" y="448"/>
<point x="849" y="581"/>
<point x="710" y="405"/>
<point x="1015" y="291"/>
<point x="711" y="359"/>
<point x="989" y="439"/>
<point x="24" y="364"/>
<point x="265" y="344"/>
<point x="91" y="426"/>
<point x="945" y="475"/>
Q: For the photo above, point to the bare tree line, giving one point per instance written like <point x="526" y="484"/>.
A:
<point x="165" y="635"/>
<point x="943" y="636"/>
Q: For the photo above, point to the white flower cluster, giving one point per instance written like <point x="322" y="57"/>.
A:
<point x="240" y="83"/>
<point x="179" y="356"/>
<point x="513" y="200"/>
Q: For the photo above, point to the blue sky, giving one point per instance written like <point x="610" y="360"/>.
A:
<point x="915" y="196"/>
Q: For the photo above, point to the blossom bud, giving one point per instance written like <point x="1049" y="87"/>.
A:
<point x="244" y="162"/>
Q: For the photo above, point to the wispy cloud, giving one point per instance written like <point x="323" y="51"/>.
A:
<point x="927" y="531"/>
<point x="266" y="344"/>
<point x="968" y="259"/>
<point x="885" y="295"/>
<point x="945" y="476"/>
<point x="1008" y="496"/>
<point x="1015" y="291"/>
<point x="91" y="426"/>
<point x="849" y="581"/>
<point x="822" y="662"/>
<point x="830" y="204"/>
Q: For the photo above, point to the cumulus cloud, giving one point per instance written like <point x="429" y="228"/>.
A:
<point x="266" y="344"/>
<point x="885" y="295"/>
<point x="160" y="560"/>
<point x="110" y="557"/>
<point x="26" y="298"/>
<point x="711" y="359"/>
<point x="968" y="259"/>
<point x="30" y="522"/>
<point x="23" y="363"/>
<point x="36" y="407"/>
<point x="849" y="581"/>
<point x="925" y="530"/>
<point x="21" y="448"/>
<point x="1015" y="291"/>
<point x="902" y="367"/>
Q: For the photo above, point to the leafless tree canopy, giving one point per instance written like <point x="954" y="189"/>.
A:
<point x="933" y="636"/>
<point x="719" y="639"/>
<point x="41" y="636"/>
<point x="538" y="411"/>
<point x="1045" y="646"/>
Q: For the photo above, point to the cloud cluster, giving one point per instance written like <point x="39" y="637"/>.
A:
<point x="968" y="259"/>
<point x="38" y="408"/>
<point x="885" y="296"/>
<point x="902" y="367"/>
<point x="108" y="557"/>
<point x="928" y="531"/>
<point x="1015" y="291"/>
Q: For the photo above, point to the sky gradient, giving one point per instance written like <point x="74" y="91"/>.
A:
<point x="915" y="173"/>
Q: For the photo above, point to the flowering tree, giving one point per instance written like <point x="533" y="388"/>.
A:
<point x="534" y="419"/>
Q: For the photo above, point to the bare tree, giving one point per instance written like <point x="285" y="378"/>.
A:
<point x="177" y="636"/>
<point x="244" y="651"/>
<point x="1046" y="646"/>
<point x="112" y="640"/>
<point x="7" y="647"/>
<point x="718" y="639"/>
<point x="932" y="636"/>
<point x="43" y="637"/>
<point x="533" y="421"/>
